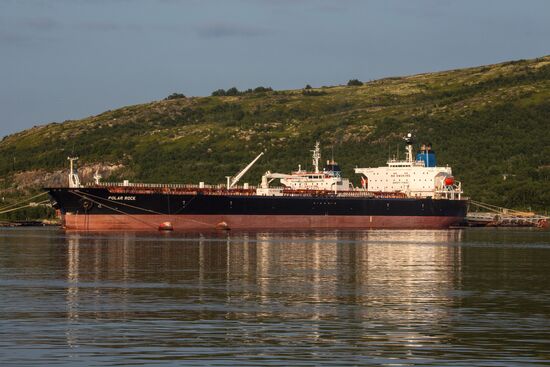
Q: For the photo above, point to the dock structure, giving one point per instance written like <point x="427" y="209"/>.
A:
<point x="495" y="216"/>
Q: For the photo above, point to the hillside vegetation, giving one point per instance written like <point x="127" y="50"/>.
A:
<point x="490" y="123"/>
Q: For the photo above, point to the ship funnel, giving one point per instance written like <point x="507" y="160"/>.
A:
<point x="427" y="155"/>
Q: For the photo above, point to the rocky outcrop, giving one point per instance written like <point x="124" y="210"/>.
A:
<point x="34" y="180"/>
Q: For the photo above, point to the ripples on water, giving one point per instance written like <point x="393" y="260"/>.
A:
<point x="457" y="297"/>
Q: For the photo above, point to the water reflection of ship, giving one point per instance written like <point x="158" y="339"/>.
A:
<point x="383" y="279"/>
<point x="89" y="263"/>
<point x="311" y="267"/>
<point x="73" y="259"/>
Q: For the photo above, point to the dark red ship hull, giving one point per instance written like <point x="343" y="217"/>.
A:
<point x="103" y="222"/>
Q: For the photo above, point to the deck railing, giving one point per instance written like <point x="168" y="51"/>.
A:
<point x="191" y="189"/>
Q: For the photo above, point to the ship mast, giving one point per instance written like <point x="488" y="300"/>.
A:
<point x="74" y="180"/>
<point x="409" y="141"/>
<point x="97" y="177"/>
<point x="316" y="156"/>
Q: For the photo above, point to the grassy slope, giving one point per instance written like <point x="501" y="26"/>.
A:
<point x="484" y="122"/>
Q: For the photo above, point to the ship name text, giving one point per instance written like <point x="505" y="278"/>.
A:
<point x="122" y="198"/>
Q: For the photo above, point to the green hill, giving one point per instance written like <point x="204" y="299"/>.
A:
<point x="490" y="123"/>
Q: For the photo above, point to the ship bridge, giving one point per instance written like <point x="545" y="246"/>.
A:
<point x="329" y="179"/>
<point x="415" y="176"/>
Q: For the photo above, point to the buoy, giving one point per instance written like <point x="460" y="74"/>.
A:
<point x="166" y="226"/>
<point x="223" y="225"/>
<point x="449" y="181"/>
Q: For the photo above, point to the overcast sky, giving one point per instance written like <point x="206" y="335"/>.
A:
<point x="68" y="59"/>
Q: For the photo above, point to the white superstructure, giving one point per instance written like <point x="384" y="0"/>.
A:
<point x="413" y="177"/>
<point x="329" y="179"/>
<point x="418" y="177"/>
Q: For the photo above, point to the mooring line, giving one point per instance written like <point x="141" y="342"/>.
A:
<point x="118" y="202"/>
<point x="113" y="209"/>
<point x="175" y="216"/>
<point x="22" y="207"/>
<point x="22" y="201"/>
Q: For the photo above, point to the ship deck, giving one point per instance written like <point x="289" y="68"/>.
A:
<point x="188" y="189"/>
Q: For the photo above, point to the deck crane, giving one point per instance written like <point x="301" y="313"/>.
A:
<point x="232" y="181"/>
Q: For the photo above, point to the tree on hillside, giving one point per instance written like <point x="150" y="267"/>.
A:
<point x="263" y="89"/>
<point x="355" y="83"/>
<point x="175" y="96"/>
<point x="233" y="91"/>
<point x="219" y="92"/>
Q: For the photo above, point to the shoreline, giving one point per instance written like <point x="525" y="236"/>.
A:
<point x="30" y="223"/>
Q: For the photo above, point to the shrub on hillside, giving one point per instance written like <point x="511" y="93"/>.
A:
<point x="313" y="92"/>
<point x="219" y="92"/>
<point x="355" y="83"/>
<point x="235" y="92"/>
<point x="261" y="89"/>
<point x="175" y="96"/>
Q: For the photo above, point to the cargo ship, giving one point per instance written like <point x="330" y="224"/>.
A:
<point x="411" y="193"/>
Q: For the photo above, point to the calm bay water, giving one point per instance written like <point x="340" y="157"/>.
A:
<point x="456" y="297"/>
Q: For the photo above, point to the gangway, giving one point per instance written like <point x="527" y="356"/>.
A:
<point x="494" y="216"/>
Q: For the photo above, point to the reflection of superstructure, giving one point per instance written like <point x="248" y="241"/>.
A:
<point x="72" y="297"/>
<point x="413" y="193"/>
